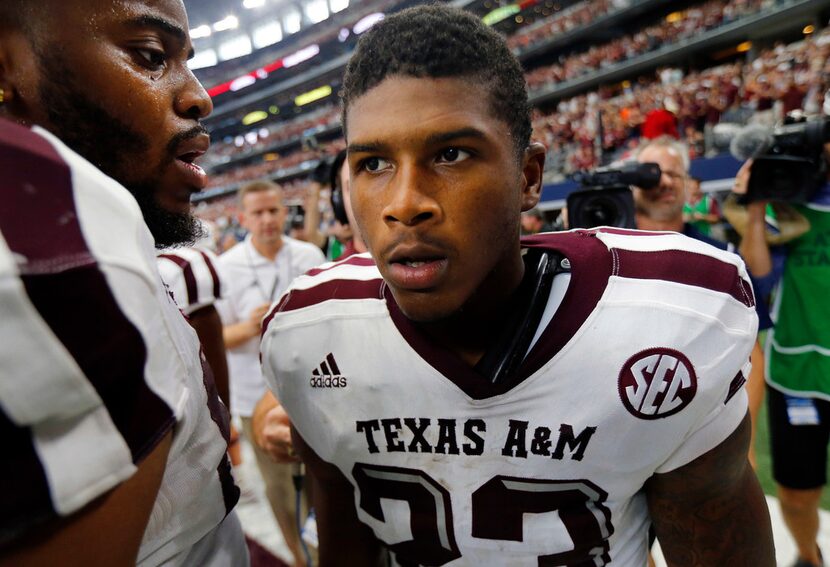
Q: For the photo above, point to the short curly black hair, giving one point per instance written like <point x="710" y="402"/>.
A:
<point x="440" y="41"/>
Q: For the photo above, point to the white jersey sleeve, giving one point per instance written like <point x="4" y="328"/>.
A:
<point x="98" y="364"/>
<point x="192" y="277"/>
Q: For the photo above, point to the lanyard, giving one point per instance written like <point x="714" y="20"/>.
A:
<point x="281" y="267"/>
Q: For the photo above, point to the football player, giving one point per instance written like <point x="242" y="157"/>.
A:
<point x="191" y="276"/>
<point x="463" y="397"/>
<point x="115" y="436"/>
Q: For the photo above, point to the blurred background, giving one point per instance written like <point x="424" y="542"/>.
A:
<point x="602" y="75"/>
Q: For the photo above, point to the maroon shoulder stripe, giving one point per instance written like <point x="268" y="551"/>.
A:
<point x="49" y="238"/>
<point x="333" y="289"/>
<point x="189" y="278"/>
<point x="65" y="285"/>
<point x="689" y="268"/>
<point x="217" y="288"/>
<point x="351" y="261"/>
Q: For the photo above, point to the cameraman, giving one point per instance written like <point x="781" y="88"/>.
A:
<point x="798" y="353"/>
<point x="661" y="208"/>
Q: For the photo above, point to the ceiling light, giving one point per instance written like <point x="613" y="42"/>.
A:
<point x="253" y="118"/>
<point x="300" y="56"/>
<point x="367" y="22"/>
<point x="229" y="23"/>
<point x="236" y="47"/>
<point x="203" y="58"/>
<point x="267" y="34"/>
<point x="313" y="95"/>
<point x="253" y="3"/>
<point x="201" y="31"/>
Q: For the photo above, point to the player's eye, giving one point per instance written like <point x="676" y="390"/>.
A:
<point x="374" y="164"/>
<point x="452" y="155"/>
<point x="153" y="59"/>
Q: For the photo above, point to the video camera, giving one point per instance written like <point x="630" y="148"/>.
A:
<point x="789" y="163"/>
<point x="606" y="199"/>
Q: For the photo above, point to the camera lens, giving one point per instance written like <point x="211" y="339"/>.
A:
<point x="601" y="212"/>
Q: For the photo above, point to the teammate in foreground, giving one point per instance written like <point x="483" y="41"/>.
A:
<point x="115" y="438"/>
<point x="463" y="398"/>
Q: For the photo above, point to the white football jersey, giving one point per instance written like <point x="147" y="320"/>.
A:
<point x="192" y="277"/>
<point x="637" y="369"/>
<point x="98" y="363"/>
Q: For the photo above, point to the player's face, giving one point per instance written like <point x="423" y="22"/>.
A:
<point x="665" y="202"/>
<point x="263" y="215"/>
<point x="110" y="79"/>
<point x="437" y="192"/>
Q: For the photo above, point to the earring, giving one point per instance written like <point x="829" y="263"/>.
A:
<point x="2" y="95"/>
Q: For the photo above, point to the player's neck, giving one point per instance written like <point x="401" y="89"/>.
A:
<point x="267" y="249"/>
<point x="648" y="223"/>
<point x="473" y="329"/>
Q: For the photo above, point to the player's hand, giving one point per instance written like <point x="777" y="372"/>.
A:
<point x="258" y="314"/>
<point x="274" y="435"/>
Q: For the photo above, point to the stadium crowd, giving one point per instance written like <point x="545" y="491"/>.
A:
<point x="779" y="80"/>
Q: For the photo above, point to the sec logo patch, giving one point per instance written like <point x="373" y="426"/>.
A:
<point x="657" y="383"/>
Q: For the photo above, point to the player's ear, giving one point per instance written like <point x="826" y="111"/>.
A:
<point x="533" y="167"/>
<point x="18" y="74"/>
<point x="6" y="82"/>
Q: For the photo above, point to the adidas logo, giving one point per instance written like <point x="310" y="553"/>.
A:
<point x="327" y="375"/>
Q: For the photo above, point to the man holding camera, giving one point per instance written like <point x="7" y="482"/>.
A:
<point x="798" y="354"/>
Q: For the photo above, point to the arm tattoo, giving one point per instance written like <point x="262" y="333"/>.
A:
<point x="712" y="511"/>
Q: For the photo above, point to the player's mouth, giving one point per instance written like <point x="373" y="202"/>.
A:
<point x="416" y="268"/>
<point x="186" y="154"/>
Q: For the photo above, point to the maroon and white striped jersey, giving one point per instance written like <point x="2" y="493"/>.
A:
<point x="636" y="368"/>
<point x="192" y="277"/>
<point x="98" y="363"/>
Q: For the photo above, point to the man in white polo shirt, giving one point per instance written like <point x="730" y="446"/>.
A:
<point x="258" y="271"/>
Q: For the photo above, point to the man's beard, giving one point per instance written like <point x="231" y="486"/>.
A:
<point x="102" y="139"/>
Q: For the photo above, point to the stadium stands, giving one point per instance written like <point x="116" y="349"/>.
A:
<point x="705" y="62"/>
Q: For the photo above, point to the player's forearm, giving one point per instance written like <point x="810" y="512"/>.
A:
<point x="344" y="540"/>
<point x="733" y="531"/>
<point x="239" y="333"/>
<point x="107" y="531"/>
<point x="712" y="511"/>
